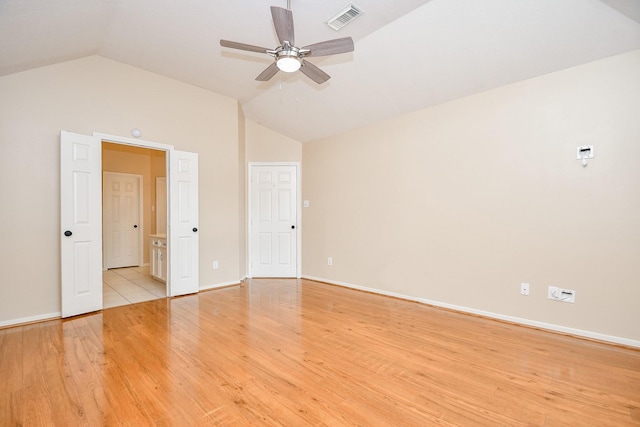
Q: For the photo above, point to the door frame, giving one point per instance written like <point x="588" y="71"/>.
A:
<point x="298" y="213"/>
<point x="121" y="140"/>
<point x="140" y="215"/>
<point x="172" y="155"/>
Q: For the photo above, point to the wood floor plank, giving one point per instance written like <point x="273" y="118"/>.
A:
<point x="294" y="352"/>
<point x="50" y="392"/>
<point x="11" y="370"/>
<point x="106" y="388"/>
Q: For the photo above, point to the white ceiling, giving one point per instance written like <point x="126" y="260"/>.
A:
<point x="409" y="54"/>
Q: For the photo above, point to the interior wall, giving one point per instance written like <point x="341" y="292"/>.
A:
<point x="97" y="94"/>
<point x="266" y="145"/>
<point x="242" y="182"/>
<point x="158" y="170"/>
<point x="461" y="203"/>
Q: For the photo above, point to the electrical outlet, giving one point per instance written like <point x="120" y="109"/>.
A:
<point x="524" y="288"/>
<point x="563" y="295"/>
<point x="215" y="265"/>
<point x="329" y="261"/>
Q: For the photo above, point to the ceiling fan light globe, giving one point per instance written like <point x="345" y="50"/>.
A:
<point x="288" y="64"/>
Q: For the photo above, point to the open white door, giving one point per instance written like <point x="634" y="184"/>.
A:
<point x="183" y="223"/>
<point x="81" y="220"/>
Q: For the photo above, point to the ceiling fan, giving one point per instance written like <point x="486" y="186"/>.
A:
<point x="288" y="57"/>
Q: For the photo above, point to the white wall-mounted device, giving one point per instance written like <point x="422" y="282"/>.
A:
<point x="564" y="295"/>
<point x="583" y="153"/>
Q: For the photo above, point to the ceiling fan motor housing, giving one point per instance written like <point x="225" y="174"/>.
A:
<point x="288" y="58"/>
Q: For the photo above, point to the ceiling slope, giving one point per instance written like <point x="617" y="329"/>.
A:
<point x="409" y="54"/>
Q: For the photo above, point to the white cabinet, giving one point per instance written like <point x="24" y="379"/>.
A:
<point x="158" y="245"/>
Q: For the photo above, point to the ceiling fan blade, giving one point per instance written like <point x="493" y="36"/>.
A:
<point x="268" y="73"/>
<point x="283" y="23"/>
<point x="313" y="72"/>
<point x="243" y="46"/>
<point x="331" y="47"/>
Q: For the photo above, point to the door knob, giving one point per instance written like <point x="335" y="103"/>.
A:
<point x="293" y="227"/>
<point x="135" y="226"/>
<point x="68" y="233"/>
<point x="195" y="230"/>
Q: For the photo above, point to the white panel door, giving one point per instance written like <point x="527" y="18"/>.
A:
<point x="273" y="220"/>
<point x="122" y="227"/>
<point x="81" y="221"/>
<point x="183" y="223"/>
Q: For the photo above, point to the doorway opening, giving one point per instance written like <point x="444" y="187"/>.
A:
<point x="134" y="227"/>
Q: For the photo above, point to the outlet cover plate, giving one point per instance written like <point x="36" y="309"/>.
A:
<point x="563" y="295"/>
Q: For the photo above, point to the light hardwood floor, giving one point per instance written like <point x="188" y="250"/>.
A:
<point x="297" y="353"/>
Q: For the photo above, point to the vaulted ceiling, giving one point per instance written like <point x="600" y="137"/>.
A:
<point x="409" y="54"/>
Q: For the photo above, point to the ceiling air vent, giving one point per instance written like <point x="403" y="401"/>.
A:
<point x="345" y="16"/>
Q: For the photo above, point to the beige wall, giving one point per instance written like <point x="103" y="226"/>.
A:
<point x="158" y="170"/>
<point x="97" y="94"/>
<point x="242" y="182"/>
<point x="460" y="203"/>
<point x="265" y="145"/>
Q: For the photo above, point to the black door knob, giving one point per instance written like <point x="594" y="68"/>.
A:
<point x="135" y="226"/>
<point x="68" y="233"/>
<point x="195" y="230"/>
<point x="293" y="227"/>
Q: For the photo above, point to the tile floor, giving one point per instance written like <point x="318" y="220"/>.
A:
<point x="122" y="286"/>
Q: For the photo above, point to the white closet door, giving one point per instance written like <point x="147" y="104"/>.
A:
<point x="273" y="219"/>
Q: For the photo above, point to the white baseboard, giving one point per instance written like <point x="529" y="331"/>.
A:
<point x="220" y="285"/>
<point x="541" y="325"/>
<point x="31" y="319"/>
